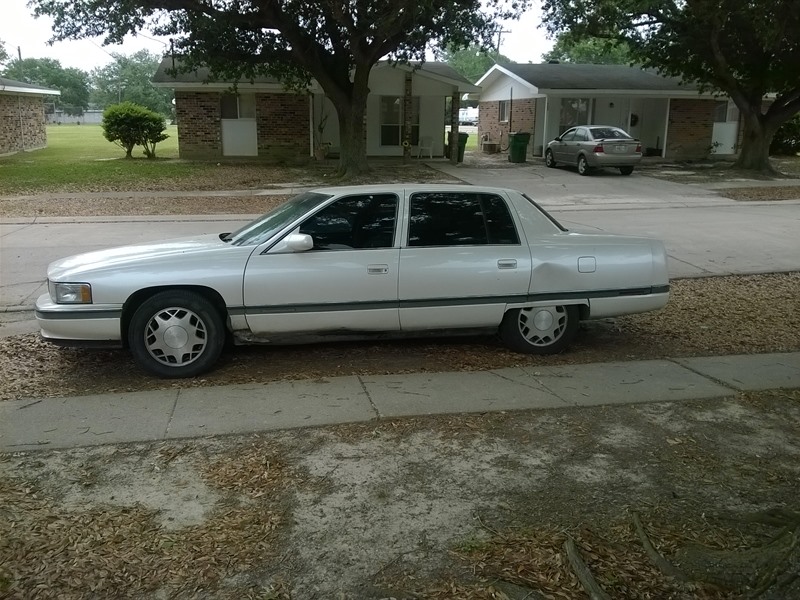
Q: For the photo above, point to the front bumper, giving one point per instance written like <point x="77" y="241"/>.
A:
<point x="79" y="324"/>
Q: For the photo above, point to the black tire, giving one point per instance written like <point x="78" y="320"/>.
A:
<point x="549" y="159"/>
<point x="583" y="166"/>
<point x="195" y="334"/>
<point x="626" y="170"/>
<point x="541" y="329"/>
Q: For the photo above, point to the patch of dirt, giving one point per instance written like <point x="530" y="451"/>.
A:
<point x="456" y="507"/>
<point x="136" y="205"/>
<point x="704" y="317"/>
<point x="762" y="193"/>
<point x="713" y="171"/>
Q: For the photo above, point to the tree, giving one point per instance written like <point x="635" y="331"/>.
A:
<point x="48" y="72"/>
<point x="473" y="61"/>
<point x="129" y="78"/>
<point x="128" y="125"/>
<point x="336" y="43"/>
<point x="4" y="56"/>
<point x="745" y="50"/>
<point x="589" y="51"/>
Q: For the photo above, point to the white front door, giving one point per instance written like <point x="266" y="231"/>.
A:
<point x="239" y="137"/>
<point x="346" y="283"/>
<point x="463" y="263"/>
<point x="238" y="125"/>
<point x="726" y="128"/>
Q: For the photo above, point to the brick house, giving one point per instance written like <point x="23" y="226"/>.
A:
<point x="22" y="116"/>
<point x="672" y="119"/>
<point x="262" y="119"/>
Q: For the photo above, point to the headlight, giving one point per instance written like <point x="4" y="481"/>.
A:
<point x="70" y="293"/>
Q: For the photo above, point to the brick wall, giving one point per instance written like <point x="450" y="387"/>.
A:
<point x="691" y="127"/>
<point x="197" y="115"/>
<point x="22" y="123"/>
<point x="523" y="119"/>
<point x="282" y="122"/>
<point x="284" y="127"/>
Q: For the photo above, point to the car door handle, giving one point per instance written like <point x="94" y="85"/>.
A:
<point x="507" y="263"/>
<point x="377" y="269"/>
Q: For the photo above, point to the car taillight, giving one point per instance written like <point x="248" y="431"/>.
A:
<point x="598" y="148"/>
<point x="639" y="148"/>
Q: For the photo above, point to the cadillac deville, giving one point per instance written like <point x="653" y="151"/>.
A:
<point x="354" y="262"/>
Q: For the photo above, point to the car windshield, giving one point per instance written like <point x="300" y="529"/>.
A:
<point x="265" y="227"/>
<point x="608" y="133"/>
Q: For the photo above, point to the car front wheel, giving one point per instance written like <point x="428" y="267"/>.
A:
<point x="626" y="170"/>
<point x="541" y="329"/>
<point x="549" y="159"/>
<point x="176" y="334"/>
<point x="583" y="166"/>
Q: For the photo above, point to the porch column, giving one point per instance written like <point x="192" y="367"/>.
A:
<point x="407" y="107"/>
<point x="455" y="104"/>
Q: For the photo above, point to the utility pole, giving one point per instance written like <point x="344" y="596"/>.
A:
<point x="500" y="33"/>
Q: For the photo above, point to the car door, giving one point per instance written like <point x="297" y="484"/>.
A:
<point x="560" y="147"/>
<point x="578" y="143"/>
<point x="346" y="283"/>
<point x="464" y="258"/>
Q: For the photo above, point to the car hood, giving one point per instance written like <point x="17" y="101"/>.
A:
<point x="69" y="268"/>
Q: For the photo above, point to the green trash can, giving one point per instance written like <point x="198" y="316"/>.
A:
<point x="462" y="144"/>
<point x="518" y="146"/>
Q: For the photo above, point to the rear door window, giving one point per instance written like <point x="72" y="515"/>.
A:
<point x="460" y="219"/>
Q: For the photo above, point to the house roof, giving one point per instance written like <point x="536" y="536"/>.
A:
<point x="200" y="76"/>
<point x="570" y="76"/>
<point x="10" y="86"/>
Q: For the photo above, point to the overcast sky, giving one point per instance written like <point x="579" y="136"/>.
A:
<point x="525" y="42"/>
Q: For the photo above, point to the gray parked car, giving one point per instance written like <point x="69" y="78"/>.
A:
<point x="591" y="146"/>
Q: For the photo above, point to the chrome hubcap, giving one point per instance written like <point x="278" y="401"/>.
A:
<point x="542" y="325"/>
<point x="175" y="336"/>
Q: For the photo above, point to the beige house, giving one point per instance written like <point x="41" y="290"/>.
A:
<point x="22" y="116"/>
<point x="262" y="119"/>
<point x="672" y="119"/>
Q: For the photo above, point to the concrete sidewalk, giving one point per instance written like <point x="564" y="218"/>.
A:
<point x="195" y="412"/>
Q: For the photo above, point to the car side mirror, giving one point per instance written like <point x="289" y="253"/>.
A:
<point x="299" y="242"/>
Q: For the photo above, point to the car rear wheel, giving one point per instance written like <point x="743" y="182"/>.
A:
<point x="583" y="166"/>
<point x="549" y="159"/>
<point x="626" y="170"/>
<point x="541" y="329"/>
<point x="176" y="334"/>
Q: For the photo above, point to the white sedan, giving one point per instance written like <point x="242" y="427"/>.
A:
<point x="362" y="261"/>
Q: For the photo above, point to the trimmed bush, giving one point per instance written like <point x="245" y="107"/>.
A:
<point x="787" y="139"/>
<point x="128" y="125"/>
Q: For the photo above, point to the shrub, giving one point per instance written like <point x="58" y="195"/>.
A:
<point x="128" y="125"/>
<point x="787" y="139"/>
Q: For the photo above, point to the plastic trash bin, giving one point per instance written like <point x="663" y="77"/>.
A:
<point x="518" y="146"/>
<point x="462" y="144"/>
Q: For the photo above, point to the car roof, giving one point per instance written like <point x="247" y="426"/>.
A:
<point x="410" y="188"/>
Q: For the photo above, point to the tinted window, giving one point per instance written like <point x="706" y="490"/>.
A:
<point x="459" y="219"/>
<point x="605" y="133"/>
<point x="354" y="222"/>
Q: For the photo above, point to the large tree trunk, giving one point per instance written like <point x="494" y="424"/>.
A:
<point x="754" y="154"/>
<point x="351" y="110"/>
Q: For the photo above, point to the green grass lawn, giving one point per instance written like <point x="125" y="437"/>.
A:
<point x="78" y="157"/>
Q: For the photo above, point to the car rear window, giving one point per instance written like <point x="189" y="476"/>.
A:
<point x="600" y="133"/>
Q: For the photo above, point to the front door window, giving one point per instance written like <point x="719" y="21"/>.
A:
<point x="391" y="114"/>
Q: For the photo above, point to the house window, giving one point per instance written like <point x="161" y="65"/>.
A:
<point x="391" y="114"/>
<point x="238" y="106"/>
<point x="503" y="114"/>
<point x="574" y="111"/>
